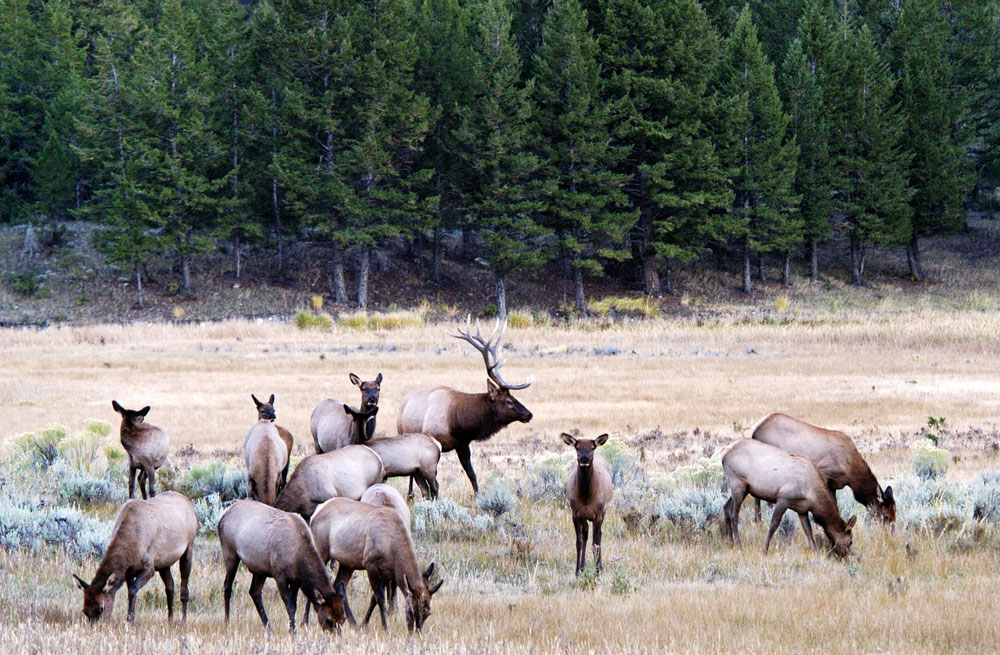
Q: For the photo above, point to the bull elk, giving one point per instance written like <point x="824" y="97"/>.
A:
<point x="589" y="489"/>
<point x="149" y="536"/>
<point x="836" y="457"/>
<point x="456" y="419"/>
<point x="265" y="412"/>
<point x="147" y="447"/>
<point x="789" y="481"/>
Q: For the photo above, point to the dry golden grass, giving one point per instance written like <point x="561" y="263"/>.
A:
<point x="873" y="376"/>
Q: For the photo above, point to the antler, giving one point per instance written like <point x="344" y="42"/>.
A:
<point x="488" y="348"/>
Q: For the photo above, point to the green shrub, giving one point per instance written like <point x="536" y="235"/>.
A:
<point x="496" y="497"/>
<point x="305" y="320"/>
<point x="396" y="320"/>
<point x="35" y="527"/>
<point x="624" y="467"/>
<point x="209" y="510"/>
<point x="78" y="487"/>
<point x="227" y="481"/>
<point x="520" y="318"/>
<point x="547" y="479"/>
<point x="27" y="283"/>
<point x="39" y="450"/>
<point x="644" y="307"/>
<point x="929" y="461"/>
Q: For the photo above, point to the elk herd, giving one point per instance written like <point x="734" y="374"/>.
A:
<point x="335" y="507"/>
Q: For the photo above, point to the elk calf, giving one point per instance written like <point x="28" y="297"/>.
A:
<point x="416" y="455"/>
<point x="265" y="412"/>
<point x="589" y="489"/>
<point x="149" y="536"/>
<point x="279" y="545"/>
<point x="266" y="459"/>
<point x="361" y="536"/>
<point x="790" y="482"/>
<point x="147" y="447"/>
<point x="343" y="472"/>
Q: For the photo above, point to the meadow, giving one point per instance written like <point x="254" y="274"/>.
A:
<point x="671" y="392"/>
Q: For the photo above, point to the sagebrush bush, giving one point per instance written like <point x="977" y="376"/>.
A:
<point x="624" y="466"/>
<point x="79" y="487"/>
<point x="35" y="527"/>
<point x="496" y="497"/>
<point x="446" y="518"/>
<point x="691" y="507"/>
<point x="305" y="320"/>
<point x="225" y="479"/>
<point x="209" y="510"/>
<point x="929" y="461"/>
<point x="547" y="479"/>
<point x="38" y="450"/>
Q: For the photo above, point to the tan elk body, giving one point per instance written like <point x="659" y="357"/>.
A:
<point x="149" y="537"/>
<point x="266" y="458"/>
<point x="279" y="545"/>
<point x="386" y="495"/>
<point x="147" y="447"/>
<point x="343" y="472"/>
<point x="455" y="418"/>
<point x="416" y="455"/>
<point x="335" y="425"/>
<point x="836" y="457"/>
<point x="589" y="489"/>
<point x="265" y="412"/>
<point x="360" y="536"/>
<point x="789" y="481"/>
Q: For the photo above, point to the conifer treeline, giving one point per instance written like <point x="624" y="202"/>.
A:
<point x="638" y="133"/>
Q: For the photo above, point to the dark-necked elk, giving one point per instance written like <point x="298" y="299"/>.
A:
<point x="149" y="537"/>
<point x="266" y="458"/>
<point x="456" y="419"/>
<point x="335" y="425"/>
<point x="279" y="545"/>
<point x="147" y="447"/>
<point x="360" y="536"/>
<point x="265" y="412"/>
<point x="836" y="457"/>
<point x="416" y="455"/>
<point x="789" y="481"/>
<point x="343" y="472"/>
<point x="589" y="489"/>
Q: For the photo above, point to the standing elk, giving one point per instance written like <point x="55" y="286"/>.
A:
<point x="335" y="425"/>
<point x="589" y="489"/>
<point x="789" y="481"/>
<point x="456" y="419"/>
<point x="361" y="536"/>
<point x="279" y="545"/>
<point x="147" y="447"/>
<point x="266" y="458"/>
<point x="416" y="455"/>
<point x="836" y="457"/>
<point x="343" y="472"/>
<point x="384" y="495"/>
<point x="265" y="412"/>
<point x="149" y="536"/>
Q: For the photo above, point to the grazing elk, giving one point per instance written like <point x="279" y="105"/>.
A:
<point x="589" y="489"/>
<point x="361" y="536"/>
<point x="836" y="457"/>
<point x="265" y="412"/>
<point x="456" y="419"/>
<point x="343" y="472"/>
<point x="147" y="447"/>
<point x="335" y="425"/>
<point x="416" y="455"/>
<point x="266" y="458"/>
<point x="384" y="495"/>
<point x="789" y="481"/>
<point x="149" y="536"/>
<point x="279" y="545"/>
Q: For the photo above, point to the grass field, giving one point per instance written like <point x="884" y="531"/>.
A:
<point x="671" y="392"/>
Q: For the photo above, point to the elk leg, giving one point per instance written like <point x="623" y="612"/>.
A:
<point x="132" y="468"/>
<point x="340" y="586"/>
<point x="580" y="525"/>
<point x="738" y="495"/>
<point x="432" y="483"/>
<point x="371" y="609"/>
<point x="227" y="587"/>
<point x="151" y="481"/>
<point x="597" y="544"/>
<point x="185" y="566"/>
<point x="465" y="457"/>
<point x="756" y="510"/>
<point x="289" y="596"/>
<point x="168" y="589"/>
<point x="378" y="589"/>
<point x="142" y="483"/>
<point x="390" y="592"/>
<point x="422" y="483"/>
<point x="779" y="511"/>
<point x="256" y="586"/>
<point x="807" y="528"/>
<point x="409" y="494"/>
<point x="134" y="585"/>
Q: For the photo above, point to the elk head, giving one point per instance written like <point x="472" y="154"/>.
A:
<point x="884" y="507"/>
<point x="841" y="540"/>
<point x="419" y="604"/>
<point x="584" y="448"/>
<point x="369" y="390"/>
<point x="130" y="417"/>
<point x="265" y="411"/>
<point x="361" y="424"/>
<point x="98" y="601"/>
<point x="506" y="408"/>
<point x="330" y="611"/>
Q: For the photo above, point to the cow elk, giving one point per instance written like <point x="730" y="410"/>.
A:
<point x="343" y="472"/>
<point x="147" y="447"/>
<point x="361" y="536"/>
<point x="265" y="412"/>
<point x="279" y="545"/>
<point x="836" y="457"/>
<point x="589" y="489"/>
<point x="335" y="425"/>
<point x="789" y="481"/>
<point x="266" y="458"/>
<point x="149" y="536"/>
<point x="456" y="419"/>
<point x="416" y="455"/>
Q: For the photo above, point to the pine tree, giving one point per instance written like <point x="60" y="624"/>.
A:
<point x="803" y="80"/>
<point x="585" y="199"/>
<point x="755" y="147"/>
<point x="501" y="192"/>
<point x="657" y="59"/>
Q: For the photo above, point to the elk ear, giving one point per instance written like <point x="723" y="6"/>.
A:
<point x="355" y="380"/>
<point x="270" y="401"/>
<point x="112" y="582"/>
<point x="80" y="582"/>
<point x="569" y="439"/>
<point x="143" y="411"/>
<point x="349" y="411"/>
<point x="887" y="495"/>
<point x="118" y="408"/>
<point x="429" y="572"/>
<point x="319" y="597"/>
<point x="492" y="389"/>
<point x="433" y="590"/>
<point x="601" y="440"/>
<point x="255" y="401"/>
<point x="850" y="524"/>
<point x="378" y="379"/>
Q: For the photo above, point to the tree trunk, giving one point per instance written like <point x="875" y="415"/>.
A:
<point x="668" y="280"/>
<point x="913" y="258"/>
<point x="578" y="295"/>
<point x="239" y="247"/>
<point x="501" y="293"/>
<point x="277" y="223"/>
<point x="857" y="262"/>
<point x="814" y="260"/>
<point x="786" y="270"/>
<point x="138" y="285"/>
<point x="467" y="249"/>
<point x="186" y="272"/>
<point x="436" y="256"/>
<point x="761" y="273"/>
<point x="363" y="277"/>
<point x="747" y="287"/>
<point x="339" y="287"/>
<point x="650" y="274"/>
